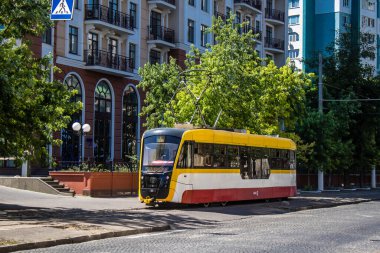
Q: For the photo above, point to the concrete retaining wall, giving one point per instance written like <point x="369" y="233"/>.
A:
<point x="30" y="184"/>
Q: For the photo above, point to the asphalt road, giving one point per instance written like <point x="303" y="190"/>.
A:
<point x="350" y="228"/>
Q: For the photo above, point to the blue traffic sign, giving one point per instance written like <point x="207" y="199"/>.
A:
<point x="62" y="9"/>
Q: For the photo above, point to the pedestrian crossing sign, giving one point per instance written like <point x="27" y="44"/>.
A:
<point x="62" y="9"/>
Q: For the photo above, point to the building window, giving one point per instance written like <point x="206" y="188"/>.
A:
<point x="346" y="21"/>
<point x="76" y="4"/>
<point x="258" y="26"/>
<point x="103" y="122"/>
<point x="112" y="60"/>
<point x="294" y="20"/>
<point x="132" y="55"/>
<point x="204" y="5"/>
<point x="294" y="3"/>
<point x="294" y="37"/>
<point x="190" y="34"/>
<point x="154" y="57"/>
<point x="269" y="32"/>
<point x="191" y="2"/>
<point x="228" y="12"/>
<point x="238" y="18"/>
<point x="70" y="149"/>
<point x="368" y="5"/>
<point x="203" y="36"/>
<point x="368" y="22"/>
<point x="92" y="42"/>
<point x="130" y="124"/>
<point x="133" y="14"/>
<point x="346" y="3"/>
<point x="73" y="40"/>
<point x="293" y="53"/>
<point x="46" y="37"/>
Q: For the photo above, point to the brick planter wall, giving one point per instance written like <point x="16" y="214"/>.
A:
<point x="99" y="184"/>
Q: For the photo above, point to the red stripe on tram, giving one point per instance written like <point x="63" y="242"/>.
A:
<point x="223" y="195"/>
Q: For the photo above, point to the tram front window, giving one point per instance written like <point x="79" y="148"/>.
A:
<point x="159" y="152"/>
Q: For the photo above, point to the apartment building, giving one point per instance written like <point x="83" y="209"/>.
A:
<point x="315" y="24"/>
<point x="100" y="50"/>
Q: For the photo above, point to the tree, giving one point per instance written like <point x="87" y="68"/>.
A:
<point x="31" y="106"/>
<point x="348" y="132"/>
<point x="229" y="79"/>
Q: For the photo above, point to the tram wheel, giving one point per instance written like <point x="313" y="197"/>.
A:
<point x="206" y="204"/>
<point x="223" y="203"/>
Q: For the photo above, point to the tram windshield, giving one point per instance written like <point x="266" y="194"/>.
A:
<point x="160" y="151"/>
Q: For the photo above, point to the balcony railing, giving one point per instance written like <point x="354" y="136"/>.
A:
<point x="110" y="16"/>
<point x="274" y="43"/>
<point x="108" y="60"/>
<point x="253" y="3"/>
<point x="221" y="15"/>
<point x="248" y="28"/>
<point x="275" y="14"/>
<point x="159" y="32"/>
<point x="172" y="2"/>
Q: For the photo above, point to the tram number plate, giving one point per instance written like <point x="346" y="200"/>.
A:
<point x="256" y="193"/>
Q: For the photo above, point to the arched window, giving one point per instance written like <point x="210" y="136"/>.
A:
<point x="70" y="140"/>
<point x="103" y="122"/>
<point x="130" y="123"/>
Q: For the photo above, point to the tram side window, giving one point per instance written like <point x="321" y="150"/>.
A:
<point x="185" y="157"/>
<point x="285" y="159"/>
<point x="275" y="157"/>
<point x="279" y="159"/>
<point x="202" y="155"/>
<point x="233" y="156"/>
<point x="220" y="156"/>
<point x="254" y="163"/>
<point x="292" y="155"/>
<point x="245" y="170"/>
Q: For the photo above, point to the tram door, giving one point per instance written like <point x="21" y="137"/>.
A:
<point x="247" y="163"/>
<point x="185" y="161"/>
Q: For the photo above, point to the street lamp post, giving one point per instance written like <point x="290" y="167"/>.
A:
<point x="81" y="131"/>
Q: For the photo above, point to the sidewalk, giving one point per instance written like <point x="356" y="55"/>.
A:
<point x="33" y="220"/>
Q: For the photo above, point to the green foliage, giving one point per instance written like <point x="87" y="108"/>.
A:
<point x="21" y="17"/>
<point x="347" y="135"/>
<point x="227" y="77"/>
<point x="31" y="107"/>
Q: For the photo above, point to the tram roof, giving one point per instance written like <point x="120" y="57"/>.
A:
<point x="177" y="132"/>
<point x="224" y="137"/>
<point x="235" y="138"/>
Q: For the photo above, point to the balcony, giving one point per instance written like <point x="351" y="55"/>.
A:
<point x="106" y="62"/>
<point x="248" y="28"/>
<point x="276" y="16"/>
<point x="107" y="18"/>
<point x="163" y="4"/>
<point x="274" y="44"/>
<point x="161" y="36"/>
<point x="253" y="5"/>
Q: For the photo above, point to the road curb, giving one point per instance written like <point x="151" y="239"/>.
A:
<point x="79" y="239"/>
<point x="327" y="205"/>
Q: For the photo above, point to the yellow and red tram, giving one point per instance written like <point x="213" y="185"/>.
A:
<point x="193" y="166"/>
